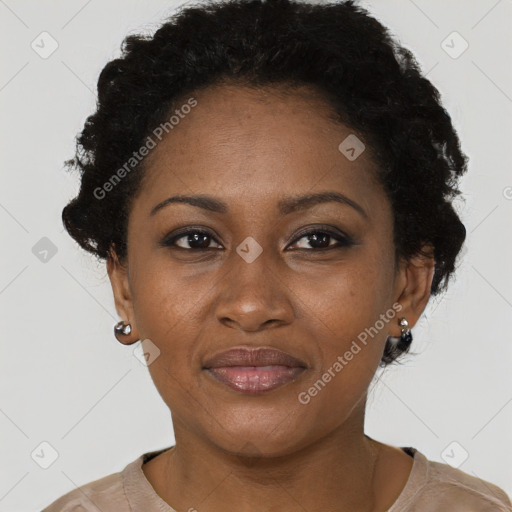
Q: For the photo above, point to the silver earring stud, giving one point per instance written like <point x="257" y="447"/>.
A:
<point x="123" y="328"/>
<point x="406" y="335"/>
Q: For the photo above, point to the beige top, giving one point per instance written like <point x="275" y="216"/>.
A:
<point x="431" y="487"/>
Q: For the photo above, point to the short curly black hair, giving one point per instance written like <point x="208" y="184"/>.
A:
<point x="372" y="84"/>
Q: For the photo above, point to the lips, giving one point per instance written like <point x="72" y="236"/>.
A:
<point x="254" y="370"/>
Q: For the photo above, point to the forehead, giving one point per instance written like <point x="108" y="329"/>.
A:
<point x="241" y="142"/>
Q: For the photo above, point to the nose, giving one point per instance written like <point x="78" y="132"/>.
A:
<point x="254" y="296"/>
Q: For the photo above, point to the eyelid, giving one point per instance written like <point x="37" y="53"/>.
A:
<point x="336" y="233"/>
<point x="170" y="241"/>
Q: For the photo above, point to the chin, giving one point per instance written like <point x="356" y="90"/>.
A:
<point x="267" y="440"/>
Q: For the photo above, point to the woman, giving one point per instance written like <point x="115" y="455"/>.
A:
<point x="271" y="185"/>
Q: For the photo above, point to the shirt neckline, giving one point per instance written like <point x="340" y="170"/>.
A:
<point x="142" y="497"/>
<point x="417" y="479"/>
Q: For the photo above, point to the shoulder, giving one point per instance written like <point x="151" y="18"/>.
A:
<point x="103" y="494"/>
<point x="467" y="491"/>
<point x="124" y="491"/>
<point x="449" y="488"/>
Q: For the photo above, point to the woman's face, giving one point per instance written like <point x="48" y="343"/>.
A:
<point x="256" y="279"/>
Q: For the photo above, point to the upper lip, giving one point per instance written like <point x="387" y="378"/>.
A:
<point x="261" y="356"/>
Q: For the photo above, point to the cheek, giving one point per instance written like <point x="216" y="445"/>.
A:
<point x="166" y="313"/>
<point x="348" y="300"/>
<point x="350" y="317"/>
<point x="163" y="298"/>
<point x="349" y="344"/>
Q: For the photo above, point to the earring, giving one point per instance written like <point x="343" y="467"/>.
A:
<point x="123" y="328"/>
<point x="406" y="336"/>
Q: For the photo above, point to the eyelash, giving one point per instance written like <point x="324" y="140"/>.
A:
<point x="343" y="240"/>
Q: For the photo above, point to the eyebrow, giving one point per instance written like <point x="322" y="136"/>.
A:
<point x="285" y="206"/>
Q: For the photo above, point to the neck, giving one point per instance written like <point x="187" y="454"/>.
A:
<point x="335" y="473"/>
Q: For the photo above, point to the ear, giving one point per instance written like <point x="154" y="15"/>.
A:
<point x="413" y="285"/>
<point x="119" y="279"/>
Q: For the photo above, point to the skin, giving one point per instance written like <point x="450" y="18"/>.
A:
<point x="251" y="149"/>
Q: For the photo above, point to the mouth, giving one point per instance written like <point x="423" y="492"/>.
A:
<point x="254" y="371"/>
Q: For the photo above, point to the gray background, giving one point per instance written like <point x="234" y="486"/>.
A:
<point x="66" y="381"/>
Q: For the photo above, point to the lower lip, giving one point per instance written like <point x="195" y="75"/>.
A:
<point x="255" y="379"/>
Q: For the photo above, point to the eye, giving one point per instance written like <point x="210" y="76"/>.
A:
<point x="192" y="239"/>
<point x="321" y="239"/>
